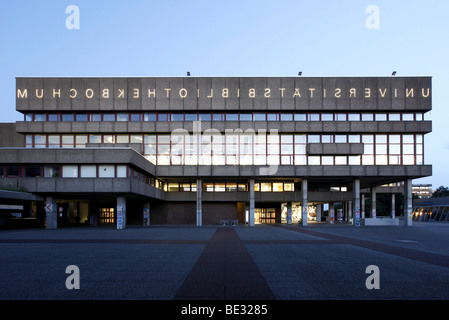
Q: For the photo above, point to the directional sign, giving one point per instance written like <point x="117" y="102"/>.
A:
<point x="49" y="207"/>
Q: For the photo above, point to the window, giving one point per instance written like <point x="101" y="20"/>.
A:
<point x="381" y="117"/>
<point x="149" y="117"/>
<point x="108" y="117"/>
<point x="53" y="117"/>
<point x="28" y="117"/>
<point x="278" y="187"/>
<point x="40" y="117"/>
<point x="177" y="117"/>
<point x="65" y="117"/>
<point x="95" y="117"/>
<point x="28" y="141"/>
<point x="327" y="117"/>
<point x="135" y="117"/>
<point x="94" y="138"/>
<point x="286" y="117"/>
<point x="367" y="117"/>
<point x="354" y="117"/>
<point x="217" y="116"/>
<point x="265" y="187"/>
<point x="162" y="117"/>
<point x="381" y="150"/>
<point x="122" y="138"/>
<point x="242" y="187"/>
<point x="232" y="117"/>
<point x="246" y="117"/>
<point x="54" y="141"/>
<point x="122" y="117"/>
<point x="339" y="138"/>
<point x="394" y="117"/>
<point x="260" y="117"/>
<point x="314" y="117"/>
<point x="407" y="117"/>
<point x="231" y="187"/>
<point x="70" y="171"/>
<point x="192" y="117"/>
<point x="185" y="187"/>
<point x="300" y="117"/>
<point x="40" y="141"/>
<point x="51" y="171"/>
<point x="88" y="171"/>
<point x="204" y="117"/>
<point x="12" y="171"/>
<point x="121" y="171"/>
<point x="173" y="187"/>
<point x="80" y="141"/>
<point x="272" y="117"/>
<point x="81" y="117"/>
<point x="341" y="117"/>
<point x="106" y="171"/>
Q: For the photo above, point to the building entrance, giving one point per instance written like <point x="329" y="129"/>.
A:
<point x="264" y="215"/>
<point x="106" y="216"/>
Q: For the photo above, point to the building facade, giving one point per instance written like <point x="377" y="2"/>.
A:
<point x="207" y="150"/>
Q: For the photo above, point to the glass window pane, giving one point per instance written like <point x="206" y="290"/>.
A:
<point x="394" y="117"/>
<point x="192" y="117"/>
<point x="122" y="117"/>
<point x="367" y="117"/>
<point x="314" y="117"/>
<point x="149" y="117"/>
<point x="177" y="117"/>
<point x="407" y="117"/>
<point x="300" y="117"/>
<point x="135" y="116"/>
<point x="95" y="117"/>
<point x="314" y="138"/>
<point x="286" y="117"/>
<point x="65" y="117"/>
<point x="354" y="117"/>
<point x="108" y="117"/>
<point x="381" y="117"/>
<point x="246" y="117"/>
<point x="232" y="117"/>
<point x="205" y="117"/>
<point x="260" y="116"/>
<point x="81" y="117"/>
<point x="327" y="117"/>
<point x="339" y="138"/>
<point x="53" y="117"/>
<point x="40" y="117"/>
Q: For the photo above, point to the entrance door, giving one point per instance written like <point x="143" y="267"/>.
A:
<point x="265" y="215"/>
<point x="106" y="215"/>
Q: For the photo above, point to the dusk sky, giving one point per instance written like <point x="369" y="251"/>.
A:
<point x="233" y="38"/>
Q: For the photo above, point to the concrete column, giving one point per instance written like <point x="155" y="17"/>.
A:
<point x="252" y="203"/>
<point x="121" y="213"/>
<point x="199" y="202"/>
<point x="362" y="205"/>
<point x="51" y="213"/>
<point x="331" y="213"/>
<point x="146" y="214"/>
<point x="373" y="201"/>
<point x="356" y="201"/>
<point x="408" y="205"/>
<point x="318" y="212"/>
<point x="304" y="202"/>
<point x="393" y="205"/>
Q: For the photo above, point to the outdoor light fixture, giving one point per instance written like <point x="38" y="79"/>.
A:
<point x="394" y="73"/>
<point x="188" y="73"/>
<point x="300" y="73"/>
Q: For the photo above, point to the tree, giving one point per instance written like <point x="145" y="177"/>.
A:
<point x="441" y="192"/>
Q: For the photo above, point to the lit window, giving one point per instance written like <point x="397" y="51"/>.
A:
<point x="265" y="187"/>
<point x="278" y="187"/>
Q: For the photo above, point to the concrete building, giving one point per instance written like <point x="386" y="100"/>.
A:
<point x="211" y="150"/>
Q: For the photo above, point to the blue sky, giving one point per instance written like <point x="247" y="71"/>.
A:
<point x="232" y="38"/>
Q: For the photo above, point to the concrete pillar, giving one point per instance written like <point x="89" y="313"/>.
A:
<point x="393" y="205"/>
<point x="199" y="202"/>
<point x="51" y="213"/>
<point x="121" y="213"/>
<point x="304" y="202"/>
<point x="356" y="201"/>
<point x="362" y="206"/>
<point x="331" y="213"/>
<point x="146" y="214"/>
<point x="373" y="201"/>
<point x="318" y="212"/>
<point x="408" y="204"/>
<point x="252" y="203"/>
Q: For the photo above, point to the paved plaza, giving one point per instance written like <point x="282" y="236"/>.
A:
<point x="317" y="262"/>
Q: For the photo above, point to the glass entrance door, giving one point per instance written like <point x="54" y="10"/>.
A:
<point x="265" y="215"/>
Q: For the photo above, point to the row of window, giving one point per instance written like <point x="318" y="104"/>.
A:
<point x="226" y="116"/>
<point x="244" y="149"/>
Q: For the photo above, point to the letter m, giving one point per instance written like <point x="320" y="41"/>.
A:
<point x="22" y="94"/>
